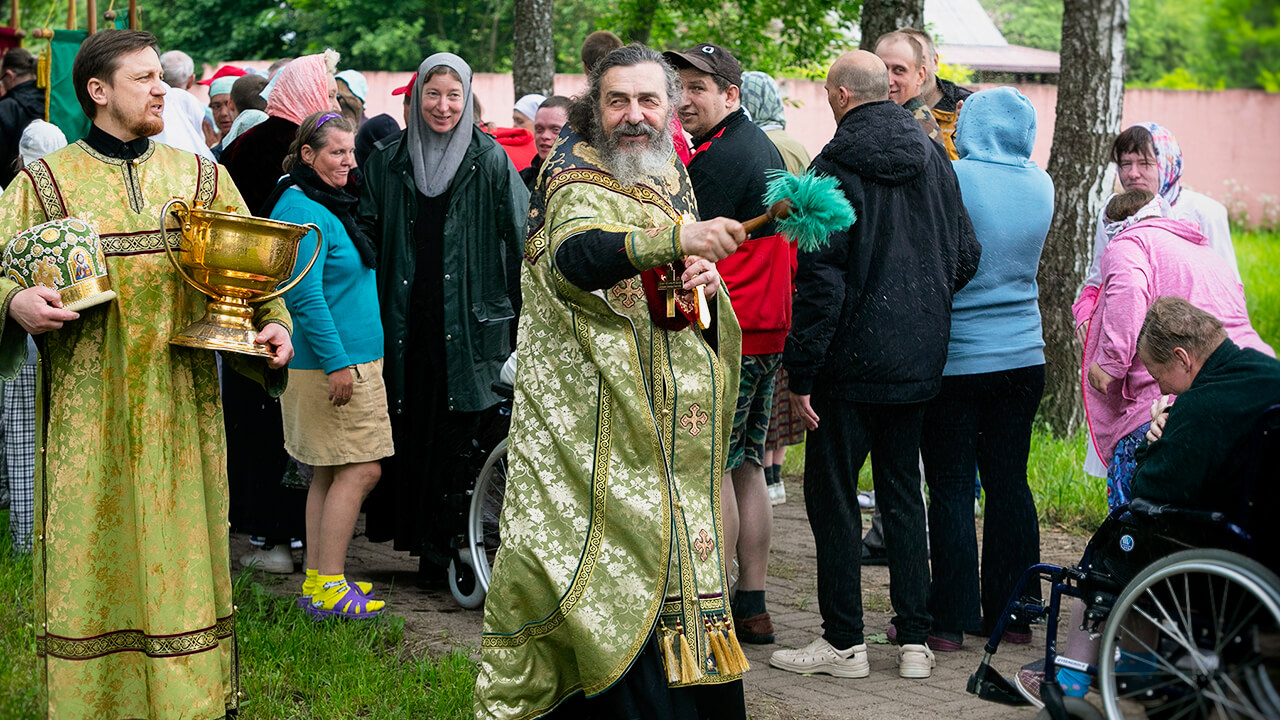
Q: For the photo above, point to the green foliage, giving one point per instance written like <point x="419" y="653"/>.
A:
<point x="958" y="74"/>
<point x="19" y="694"/>
<point x="1258" y="255"/>
<point x="1175" y="44"/>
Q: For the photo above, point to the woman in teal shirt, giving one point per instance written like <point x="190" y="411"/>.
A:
<point x="335" y="407"/>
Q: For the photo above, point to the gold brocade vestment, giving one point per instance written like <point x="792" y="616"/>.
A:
<point x="611" y="527"/>
<point x="133" y="607"/>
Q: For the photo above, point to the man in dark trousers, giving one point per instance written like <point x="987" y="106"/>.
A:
<point x="21" y="103"/>
<point x="727" y="170"/>
<point x="866" y="350"/>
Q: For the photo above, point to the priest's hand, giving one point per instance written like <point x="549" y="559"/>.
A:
<point x="714" y="239"/>
<point x="38" y="309"/>
<point x="700" y="271"/>
<point x="277" y="340"/>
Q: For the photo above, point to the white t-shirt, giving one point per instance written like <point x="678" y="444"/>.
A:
<point x="183" y="118"/>
<point x="1203" y="210"/>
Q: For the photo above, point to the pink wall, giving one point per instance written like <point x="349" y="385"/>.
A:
<point x="1217" y="145"/>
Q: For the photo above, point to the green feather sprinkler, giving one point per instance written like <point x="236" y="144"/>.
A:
<point x="807" y="208"/>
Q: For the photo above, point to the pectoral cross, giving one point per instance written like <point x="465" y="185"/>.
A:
<point x="672" y="287"/>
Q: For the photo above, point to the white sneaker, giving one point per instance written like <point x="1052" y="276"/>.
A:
<point x="781" y="499"/>
<point x="277" y="560"/>
<point x="867" y="499"/>
<point x="821" y="657"/>
<point x="915" y="661"/>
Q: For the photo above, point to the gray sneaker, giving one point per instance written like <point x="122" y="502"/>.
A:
<point x="820" y="657"/>
<point x="915" y="661"/>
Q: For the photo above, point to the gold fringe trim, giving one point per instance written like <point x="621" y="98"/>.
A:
<point x="669" y="656"/>
<point x="719" y="649"/>
<point x="735" y="648"/>
<point x="689" y="670"/>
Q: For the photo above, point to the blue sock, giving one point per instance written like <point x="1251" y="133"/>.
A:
<point x="1074" y="683"/>
<point x="1137" y="662"/>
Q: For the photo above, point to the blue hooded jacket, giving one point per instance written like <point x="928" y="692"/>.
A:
<point x="995" y="319"/>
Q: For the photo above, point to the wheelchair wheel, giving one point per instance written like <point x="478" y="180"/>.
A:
<point x="486" y="510"/>
<point x="1077" y="709"/>
<point x="463" y="583"/>
<point x="1211" y="620"/>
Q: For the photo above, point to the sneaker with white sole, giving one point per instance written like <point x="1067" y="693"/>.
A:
<point x="821" y="657"/>
<point x="915" y="661"/>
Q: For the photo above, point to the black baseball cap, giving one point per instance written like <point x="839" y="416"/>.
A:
<point x="710" y="59"/>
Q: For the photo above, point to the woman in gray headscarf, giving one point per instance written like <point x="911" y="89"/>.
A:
<point x="447" y="211"/>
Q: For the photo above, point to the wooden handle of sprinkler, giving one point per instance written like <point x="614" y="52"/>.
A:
<point x="777" y="211"/>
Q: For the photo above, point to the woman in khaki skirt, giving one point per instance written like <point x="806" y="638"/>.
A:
<point x="335" y="407"/>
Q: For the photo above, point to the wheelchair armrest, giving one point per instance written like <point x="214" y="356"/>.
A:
<point x="1145" y="508"/>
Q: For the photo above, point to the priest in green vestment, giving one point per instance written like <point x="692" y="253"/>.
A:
<point x="609" y="597"/>
<point x="133" y="607"/>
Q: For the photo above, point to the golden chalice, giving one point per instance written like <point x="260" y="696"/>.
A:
<point x="235" y="260"/>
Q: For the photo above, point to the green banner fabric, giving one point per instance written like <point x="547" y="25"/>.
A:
<point x="63" y="108"/>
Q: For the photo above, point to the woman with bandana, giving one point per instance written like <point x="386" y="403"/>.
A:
<point x="446" y="209"/>
<point x="1147" y="157"/>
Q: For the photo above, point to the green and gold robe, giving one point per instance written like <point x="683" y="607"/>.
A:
<point x="611" y="526"/>
<point x="133" y="604"/>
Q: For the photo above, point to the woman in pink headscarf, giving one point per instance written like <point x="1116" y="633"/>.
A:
<point x="305" y="86"/>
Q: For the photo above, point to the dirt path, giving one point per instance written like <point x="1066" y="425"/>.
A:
<point x="435" y="622"/>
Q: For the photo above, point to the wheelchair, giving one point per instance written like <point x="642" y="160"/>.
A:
<point x="1194" y="589"/>
<point x="478" y="509"/>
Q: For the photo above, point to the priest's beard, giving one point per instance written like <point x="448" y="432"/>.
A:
<point x="630" y="167"/>
<point x="141" y="125"/>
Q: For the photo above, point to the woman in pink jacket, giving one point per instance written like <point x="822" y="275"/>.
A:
<point x="1149" y="256"/>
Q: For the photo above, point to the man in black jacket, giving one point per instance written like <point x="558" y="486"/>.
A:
<point x="22" y="103"/>
<point x="868" y="342"/>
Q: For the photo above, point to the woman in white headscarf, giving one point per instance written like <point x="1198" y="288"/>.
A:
<point x="447" y="210"/>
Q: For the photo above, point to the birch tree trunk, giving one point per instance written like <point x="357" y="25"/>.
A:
<point x="533" y="58"/>
<point x="883" y="16"/>
<point x="1090" y="97"/>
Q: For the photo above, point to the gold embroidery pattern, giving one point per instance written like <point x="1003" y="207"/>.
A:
<point x="136" y="641"/>
<point x="595" y="177"/>
<point x="627" y="292"/>
<point x="704" y="545"/>
<point x="595" y="536"/>
<point x="47" y="189"/>
<point x="694" y="420"/>
<point x="206" y="181"/>
<point x="138" y="243"/>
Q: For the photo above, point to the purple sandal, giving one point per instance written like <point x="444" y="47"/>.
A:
<point x="350" y="605"/>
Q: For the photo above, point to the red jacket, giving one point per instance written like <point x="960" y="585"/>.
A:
<point x="759" y="277"/>
<point x="518" y="143"/>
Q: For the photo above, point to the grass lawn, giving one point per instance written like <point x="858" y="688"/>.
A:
<point x="294" y="668"/>
<point x="291" y="667"/>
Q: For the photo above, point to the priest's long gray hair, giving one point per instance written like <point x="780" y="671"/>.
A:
<point x="584" y="114"/>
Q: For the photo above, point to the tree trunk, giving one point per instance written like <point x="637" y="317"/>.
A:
<point x="533" y="59"/>
<point x="638" y="23"/>
<point x="882" y="16"/>
<point x="1090" y="96"/>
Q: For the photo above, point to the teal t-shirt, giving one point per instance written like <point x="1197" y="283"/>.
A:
<point x="336" y="322"/>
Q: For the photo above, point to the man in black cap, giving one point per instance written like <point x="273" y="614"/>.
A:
<point x="730" y="158"/>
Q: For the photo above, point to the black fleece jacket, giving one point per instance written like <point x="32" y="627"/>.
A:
<point x="872" y="313"/>
<point x="22" y="104"/>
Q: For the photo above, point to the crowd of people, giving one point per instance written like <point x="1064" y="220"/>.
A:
<point x="666" y="357"/>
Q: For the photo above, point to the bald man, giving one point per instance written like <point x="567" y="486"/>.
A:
<point x="870" y="325"/>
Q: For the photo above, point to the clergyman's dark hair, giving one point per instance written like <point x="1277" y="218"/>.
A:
<point x="584" y="113"/>
<point x="99" y="57"/>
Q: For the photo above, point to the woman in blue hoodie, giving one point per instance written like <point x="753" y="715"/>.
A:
<point x="994" y="375"/>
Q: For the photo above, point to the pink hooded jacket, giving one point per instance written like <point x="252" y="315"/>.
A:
<point x="1153" y="258"/>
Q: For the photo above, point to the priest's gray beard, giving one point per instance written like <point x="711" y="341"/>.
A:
<point x="631" y="167"/>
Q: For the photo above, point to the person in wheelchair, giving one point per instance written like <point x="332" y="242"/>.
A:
<point x="1195" y="456"/>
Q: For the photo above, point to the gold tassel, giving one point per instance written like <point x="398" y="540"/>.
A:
<point x="689" y="670"/>
<point x="718" y="649"/>
<point x="669" y="657"/>
<point x="735" y="648"/>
